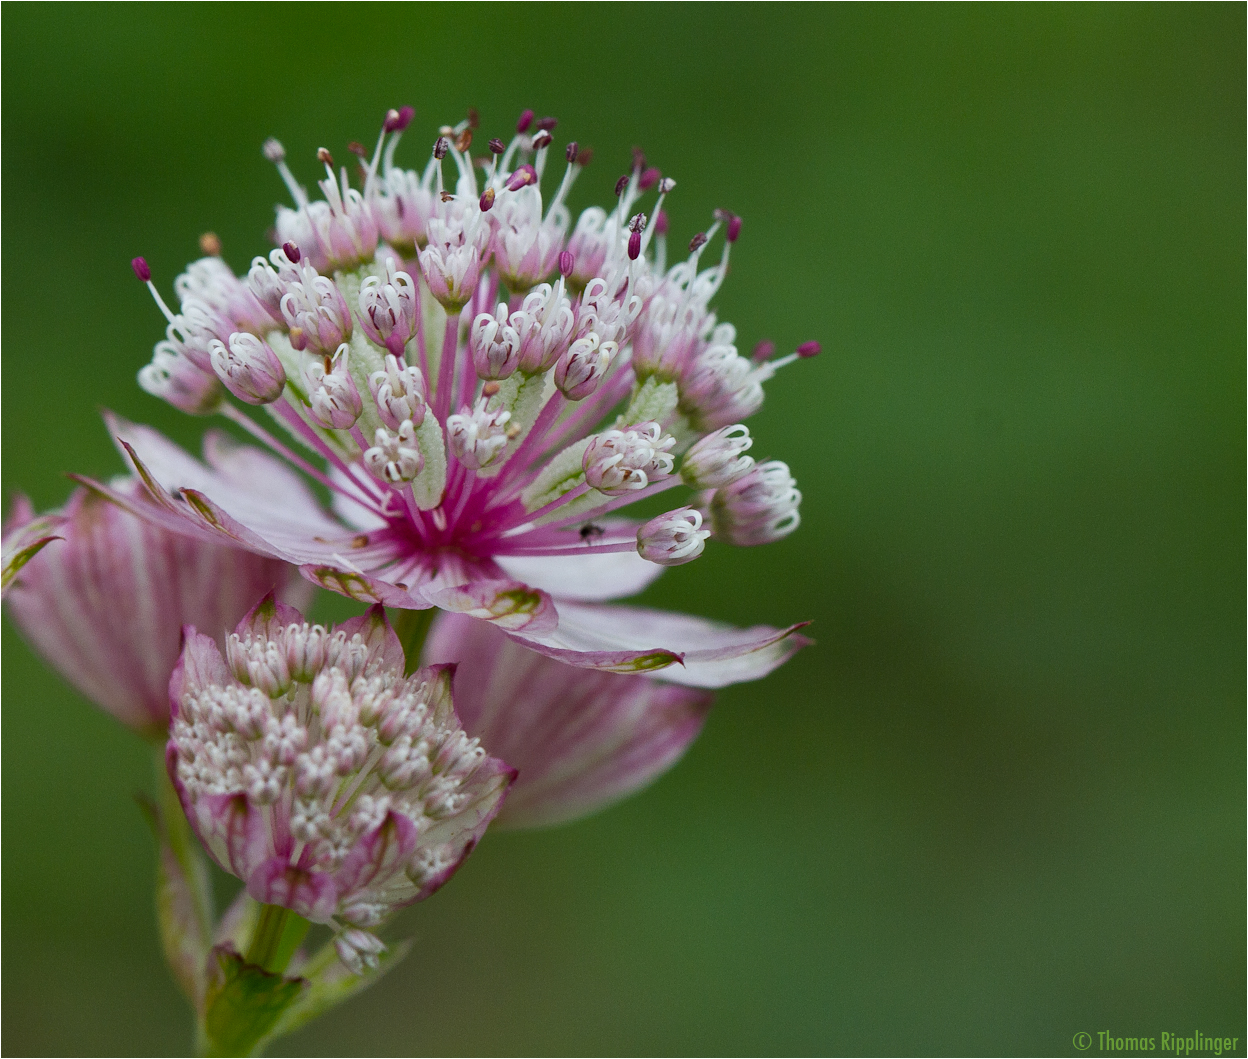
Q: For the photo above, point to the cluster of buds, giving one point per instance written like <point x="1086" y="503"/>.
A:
<point x="315" y="771"/>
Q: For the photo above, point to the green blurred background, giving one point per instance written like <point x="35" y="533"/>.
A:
<point x="1002" y="800"/>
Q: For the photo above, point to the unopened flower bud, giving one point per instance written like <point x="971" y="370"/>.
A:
<point x="718" y="458"/>
<point x="333" y="399"/>
<point x="620" y="461"/>
<point x="358" y="950"/>
<point x="495" y="345"/>
<point x="388" y="309"/>
<point x="477" y="437"/>
<point x="395" y="457"/>
<point x="249" y="369"/>
<point x="399" y="391"/>
<point x="673" y="538"/>
<point x="579" y="371"/>
<point x="758" y="508"/>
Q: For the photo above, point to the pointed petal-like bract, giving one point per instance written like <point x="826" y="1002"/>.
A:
<point x="105" y="607"/>
<point x="580" y="739"/>
<point x="633" y="639"/>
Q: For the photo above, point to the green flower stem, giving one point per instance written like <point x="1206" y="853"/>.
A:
<point x="277" y="936"/>
<point x="412" y="627"/>
<point x="184" y="845"/>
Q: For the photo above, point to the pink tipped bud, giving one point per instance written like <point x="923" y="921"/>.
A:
<point x="292" y="252"/>
<point x="273" y="150"/>
<point x="718" y="459"/>
<point x="526" y="119"/>
<point x="440" y="146"/>
<point x="334" y="402"/>
<point x="763" y="352"/>
<point x="758" y="508"/>
<point x="674" y="538"/>
<point x="496" y="146"/>
<point x="809" y="349"/>
<point x="660" y="223"/>
<point x="579" y="370"/>
<point x="621" y="461"/>
<point x="248" y="368"/>
<point x="567" y="262"/>
<point x="649" y="178"/>
<point x="697" y="242"/>
<point x="570" y="153"/>
<point x="399" y="392"/>
<point x="487" y="200"/>
<point x="141" y="269"/>
<point x="734" y="228"/>
<point x="477" y="437"/>
<point x="620" y="185"/>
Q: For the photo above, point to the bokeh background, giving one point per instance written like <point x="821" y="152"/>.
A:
<point x="1002" y="800"/>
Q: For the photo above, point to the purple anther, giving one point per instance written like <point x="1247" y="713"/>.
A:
<point x="660" y="223"/>
<point x="808" y="349"/>
<point x="401" y="119"/>
<point x="542" y="139"/>
<point x="440" y="147"/>
<point x="497" y="146"/>
<point x="273" y="150"/>
<point x="620" y="185"/>
<point x="357" y="149"/>
<point x="634" y="245"/>
<point x="389" y="120"/>
<point x="487" y="200"/>
<point x="567" y="262"/>
<point x="584" y="156"/>
<point x="639" y="158"/>
<point x="649" y="178"/>
<point x="526" y="174"/>
<point x="526" y="119"/>
<point x="734" y="228"/>
<point x="546" y="124"/>
<point x="763" y="352"/>
<point x="141" y="269"/>
<point x="323" y="155"/>
<point x="292" y="252"/>
<point x="697" y="241"/>
<point x="571" y="151"/>
<point x="474" y="119"/>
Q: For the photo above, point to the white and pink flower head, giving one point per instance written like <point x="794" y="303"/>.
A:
<point x="481" y="386"/>
<point x="313" y="769"/>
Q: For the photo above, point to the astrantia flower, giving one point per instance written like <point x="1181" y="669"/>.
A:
<point x="312" y="769"/>
<point x="105" y="604"/>
<point x="482" y="385"/>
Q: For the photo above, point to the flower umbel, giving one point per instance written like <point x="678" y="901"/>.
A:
<point x="315" y="771"/>
<point x="483" y="384"/>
